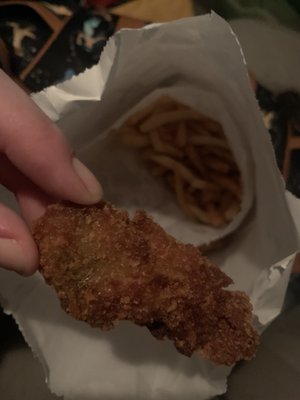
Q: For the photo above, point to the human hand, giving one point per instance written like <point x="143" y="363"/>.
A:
<point x="38" y="166"/>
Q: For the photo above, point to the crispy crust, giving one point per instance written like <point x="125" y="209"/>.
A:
<point x="106" y="267"/>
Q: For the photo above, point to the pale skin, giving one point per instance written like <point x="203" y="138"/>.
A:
<point x="39" y="167"/>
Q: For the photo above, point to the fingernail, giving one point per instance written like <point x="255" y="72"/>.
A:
<point x="89" y="180"/>
<point x="12" y="256"/>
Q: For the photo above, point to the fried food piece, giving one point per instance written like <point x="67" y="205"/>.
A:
<point x="106" y="268"/>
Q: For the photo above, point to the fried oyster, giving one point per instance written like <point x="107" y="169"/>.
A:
<point x="106" y="267"/>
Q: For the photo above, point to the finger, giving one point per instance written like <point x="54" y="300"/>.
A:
<point x="38" y="149"/>
<point x="18" y="251"/>
<point x="31" y="199"/>
<point x="33" y="204"/>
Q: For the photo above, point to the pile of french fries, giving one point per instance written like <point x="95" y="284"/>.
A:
<point x="191" y="153"/>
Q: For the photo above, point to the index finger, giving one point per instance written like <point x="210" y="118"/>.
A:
<point x="39" y="150"/>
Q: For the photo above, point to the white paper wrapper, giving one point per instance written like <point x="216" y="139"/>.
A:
<point x="200" y="60"/>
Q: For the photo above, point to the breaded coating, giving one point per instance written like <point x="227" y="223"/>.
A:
<point x="106" y="268"/>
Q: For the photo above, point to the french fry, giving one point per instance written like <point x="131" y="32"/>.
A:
<point x="162" y="147"/>
<point x="212" y="126"/>
<point x="199" y="214"/>
<point x="221" y="153"/>
<point x="136" y="140"/>
<point x="188" y="206"/>
<point x="226" y="183"/>
<point x="158" y="170"/>
<point x="232" y="211"/>
<point x="170" y="179"/>
<point x="155" y="141"/>
<point x="196" y="128"/>
<point x="227" y="198"/>
<point x="177" y="167"/>
<point x="209" y="196"/>
<point x="180" y="194"/>
<point x="163" y="103"/>
<point x="217" y="165"/>
<point x="168" y="117"/>
<point x="181" y="135"/>
<point x="215" y="217"/>
<point x="207" y="141"/>
<point x="194" y="159"/>
<point x="125" y="130"/>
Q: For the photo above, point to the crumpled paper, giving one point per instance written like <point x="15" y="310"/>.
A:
<point x="82" y="363"/>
